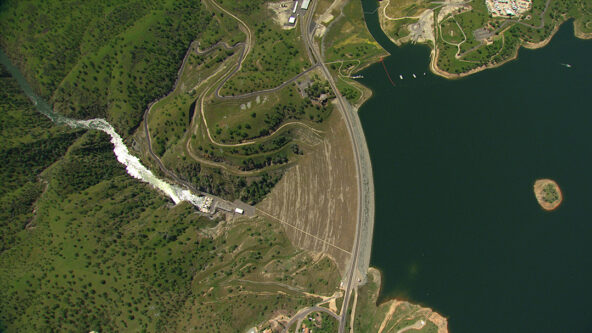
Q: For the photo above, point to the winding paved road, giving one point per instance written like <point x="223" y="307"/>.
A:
<point x="360" y="258"/>
<point x="246" y="47"/>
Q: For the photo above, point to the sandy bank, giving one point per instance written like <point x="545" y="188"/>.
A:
<point x="438" y="71"/>
<point x="541" y="187"/>
<point x="580" y="34"/>
<point x="392" y="305"/>
<point x="528" y="45"/>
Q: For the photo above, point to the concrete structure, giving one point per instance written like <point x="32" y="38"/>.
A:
<point x="206" y="205"/>
<point x="305" y="4"/>
<point x="292" y="20"/>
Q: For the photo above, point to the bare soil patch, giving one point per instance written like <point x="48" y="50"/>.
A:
<point x="452" y="7"/>
<point x="416" y="326"/>
<point x="328" y="16"/>
<point x="282" y="11"/>
<point x="547" y="193"/>
<point x="316" y="200"/>
<point x="389" y="314"/>
<point x="439" y="321"/>
<point x="423" y="30"/>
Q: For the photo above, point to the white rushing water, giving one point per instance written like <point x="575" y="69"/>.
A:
<point x="132" y="164"/>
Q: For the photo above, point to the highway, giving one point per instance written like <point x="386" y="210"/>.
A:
<point x="360" y="256"/>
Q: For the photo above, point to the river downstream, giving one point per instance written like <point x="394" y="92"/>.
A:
<point x="458" y="228"/>
<point x="132" y="164"/>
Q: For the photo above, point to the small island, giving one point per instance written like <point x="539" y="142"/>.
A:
<point x="547" y="193"/>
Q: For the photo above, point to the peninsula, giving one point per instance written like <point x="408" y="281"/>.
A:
<point x="548" y="194"/>
<point x="468" y="36"/>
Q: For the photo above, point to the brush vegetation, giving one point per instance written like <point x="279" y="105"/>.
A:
<point x="112" y="59"/>
<point x="469" y="39"/>
<point x="89" y="248"/>
<point x="349" y="47"/>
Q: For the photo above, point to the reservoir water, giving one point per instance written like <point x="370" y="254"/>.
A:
<point x="458" y="228"/>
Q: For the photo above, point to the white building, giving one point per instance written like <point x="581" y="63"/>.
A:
<point x="508" y="8"/>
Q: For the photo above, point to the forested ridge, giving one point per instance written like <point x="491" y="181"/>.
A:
<point x="103" y="59"/>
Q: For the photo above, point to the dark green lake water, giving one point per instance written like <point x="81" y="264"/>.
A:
<point x="458" y="228"/>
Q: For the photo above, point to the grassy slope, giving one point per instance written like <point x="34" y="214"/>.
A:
<point x="107" y="59"/>
<point x="369" y="315"/>
<point x="349" y="47"/>
<point x="474" y="54"/>
<point x="110" y="59"/>
<point x="321" y="322"/>
<point x="358" y="44"/>
<point x="277" y="54"/>
<point x="170" y="116"/>
<point x="29" y="144"/>
<point x="169" y="119"/>
<point x="233" y="121"/>
<point x="105" y="252"/>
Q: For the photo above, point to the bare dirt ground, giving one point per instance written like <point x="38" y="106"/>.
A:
<point x="452" y="6"/>
<point x="389" y="314"/>
<point x="439" y="321"/>
<point x="316" y="200"/>
<point x="282" y="11"/>
<point x="327" y="16"/>
<point x="416" y="326"/>
<point x="277" y="323"/>
<point x="539" y="186"/>
<point x="394" y="312"/>
<point x="423" y="30"/>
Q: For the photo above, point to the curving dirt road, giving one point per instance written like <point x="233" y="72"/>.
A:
<point x="246" y="48"/>
<point x="360" y="254"/>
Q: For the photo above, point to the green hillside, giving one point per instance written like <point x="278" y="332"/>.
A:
<point x="86" y="247"/>
<point x="103" y="59"/>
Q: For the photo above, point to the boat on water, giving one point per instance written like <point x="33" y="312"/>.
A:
<point x="401" y="77"/>
<point x="414" y="76"/>
<point x="357" y="77"/>
<point x="566" y="65"/>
